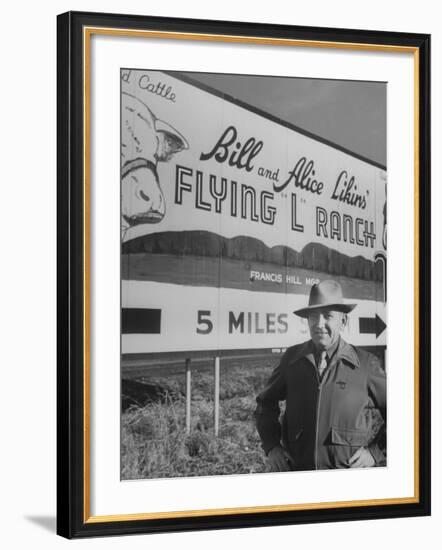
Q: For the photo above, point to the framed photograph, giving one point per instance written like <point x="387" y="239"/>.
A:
<point x="241" y="341"/>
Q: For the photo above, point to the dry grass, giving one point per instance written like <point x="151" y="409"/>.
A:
<point x="154" y="441"/>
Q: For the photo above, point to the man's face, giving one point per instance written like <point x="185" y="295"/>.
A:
<point x="325" y="327"/>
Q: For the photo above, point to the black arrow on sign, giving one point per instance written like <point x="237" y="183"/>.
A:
<point x="371" y="325"/>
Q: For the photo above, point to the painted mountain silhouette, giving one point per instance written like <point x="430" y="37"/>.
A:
<point x="315" y="256"/>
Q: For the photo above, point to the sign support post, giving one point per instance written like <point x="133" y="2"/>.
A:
<point x="188" y="394"/>
<point x="216" y="400"/>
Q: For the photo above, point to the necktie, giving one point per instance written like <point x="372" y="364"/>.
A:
<point x="322" y="363"/>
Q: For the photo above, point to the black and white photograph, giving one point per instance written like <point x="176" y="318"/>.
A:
<point x="253" y="274"/>
<point x="211" y="337"/>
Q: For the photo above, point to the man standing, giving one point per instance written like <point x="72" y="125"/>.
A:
<point x="328" y="387"/>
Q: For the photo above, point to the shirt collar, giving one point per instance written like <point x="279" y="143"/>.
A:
<point x="344" y="351"/>
<point x="331" y="350"/>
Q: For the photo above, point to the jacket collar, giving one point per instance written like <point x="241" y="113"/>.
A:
<point x="348" y="353"/>
<point x="345" y="352"/>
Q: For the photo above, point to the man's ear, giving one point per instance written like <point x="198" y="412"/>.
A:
<point x="344" y="320"/>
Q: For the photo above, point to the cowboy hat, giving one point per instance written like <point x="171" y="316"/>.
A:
<point x="326" y="294"/>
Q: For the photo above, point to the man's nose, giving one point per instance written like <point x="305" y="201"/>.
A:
<point x="320" y="322"/>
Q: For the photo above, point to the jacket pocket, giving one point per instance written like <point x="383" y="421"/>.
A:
<point x="354" y="438"/>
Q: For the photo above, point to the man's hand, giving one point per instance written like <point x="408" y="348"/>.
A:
<point x="277" y="460"/>
<point x="362" y="458"/>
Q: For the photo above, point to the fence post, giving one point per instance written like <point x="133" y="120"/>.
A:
<point x="188" y="394"/>
<point x="216" y="400"/>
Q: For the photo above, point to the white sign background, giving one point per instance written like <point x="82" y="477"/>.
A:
<point x="109" y="495"/>
<point x="202" y="118"/>
<point x="263" y="319"/>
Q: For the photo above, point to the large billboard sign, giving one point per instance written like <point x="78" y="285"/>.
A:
<point x="228" y="216"/>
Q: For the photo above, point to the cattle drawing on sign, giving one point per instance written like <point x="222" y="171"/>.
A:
<point x="145" y="141"/>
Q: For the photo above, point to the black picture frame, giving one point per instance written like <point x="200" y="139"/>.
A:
<point x="73" y="518"/>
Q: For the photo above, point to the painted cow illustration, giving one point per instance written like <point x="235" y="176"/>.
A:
<point x="145" y="141"/>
